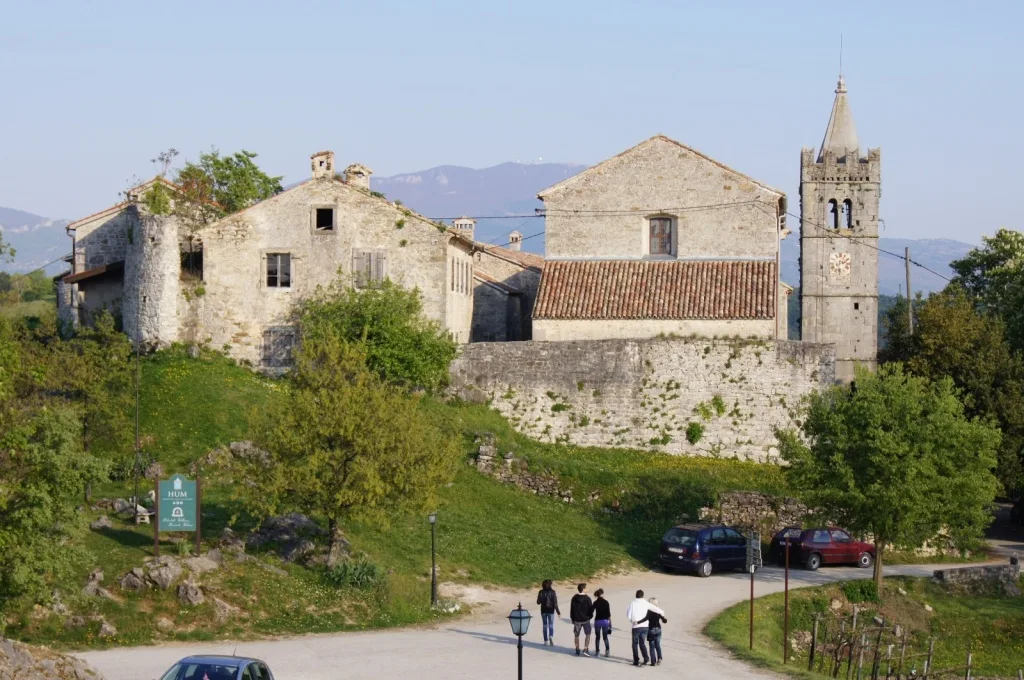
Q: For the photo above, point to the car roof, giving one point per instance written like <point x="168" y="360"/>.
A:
<point x="698" y="526"/>
<point x="216" y="659"/>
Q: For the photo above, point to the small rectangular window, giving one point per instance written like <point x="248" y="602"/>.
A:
<point x="278" y="344"/>
<point x="325" y="219"/>
<point x="661" y="236"/>
<point x="856" y="305"/>
<point x="369" y="267"/>
<point x="279" y="270"/>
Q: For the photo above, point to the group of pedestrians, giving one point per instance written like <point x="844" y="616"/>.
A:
<point x="595" y="617"/>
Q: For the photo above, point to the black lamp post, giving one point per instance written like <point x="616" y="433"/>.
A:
<point x="433" y="558"/>
<point x="520" y="621"/>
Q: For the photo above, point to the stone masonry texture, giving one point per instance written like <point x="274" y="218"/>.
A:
<point x="645" y="393"/>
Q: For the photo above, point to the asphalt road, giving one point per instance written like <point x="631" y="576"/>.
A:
<point x="483" y="646"/>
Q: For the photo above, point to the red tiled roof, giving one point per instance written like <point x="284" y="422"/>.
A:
<point x="645" y="289"/>
<point x="523" y="259"/>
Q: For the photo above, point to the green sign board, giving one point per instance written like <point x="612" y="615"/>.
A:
<point x="177" y="504"/>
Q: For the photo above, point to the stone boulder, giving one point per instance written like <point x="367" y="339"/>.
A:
<point x="134" y="580"/>
<point x="224" y="611"/>
<point x="103" y="522"/>
<point x="25" y="662"/>
<point x="93" y="588"/>
<point x="164" y="624"/>
<point x="107" y="630"/>
<point x="230" y="542"/>
<point x="163" y="571"/>
<point x="211" y="561"/>
<point x="191" y="593"/>
<point x="293" y="536"/>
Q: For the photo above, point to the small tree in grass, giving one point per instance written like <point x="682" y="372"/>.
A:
<point x="343" y="444"/>
<point x="895" y="456"/>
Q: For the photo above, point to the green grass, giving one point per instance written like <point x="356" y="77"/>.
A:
<point x="991" y="626"/>
<point x="36" y="308"/>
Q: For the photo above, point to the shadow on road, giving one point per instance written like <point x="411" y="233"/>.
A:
<point x="511" y="640"/>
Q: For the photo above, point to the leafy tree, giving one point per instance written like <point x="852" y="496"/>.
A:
<point x="952" y="338"/>
<point x="994" y="276"/>
<point x="894" y="456"/>
<point x="343" y="444"/>
<point x="234" y="182"/>
<point x="387" y="322"/>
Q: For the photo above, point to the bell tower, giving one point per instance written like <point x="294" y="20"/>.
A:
<point x="839" y="197"/>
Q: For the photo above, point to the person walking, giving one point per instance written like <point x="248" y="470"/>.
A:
<point x="637" y="612"/>
<point x="581" y="609"/>
<point x="602" y="622"/>
<point x="548" y="601"/>
<point x="654" y="621"/>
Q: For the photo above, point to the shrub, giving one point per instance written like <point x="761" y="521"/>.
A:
<point x="718" y="404"/>
<point x="360" y="574"/>
<point x="556" y="408"/>
<point x="860" y="591"/>
<point x="694" y="432"/>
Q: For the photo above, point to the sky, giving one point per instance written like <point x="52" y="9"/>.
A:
<point x="90" y="92"/>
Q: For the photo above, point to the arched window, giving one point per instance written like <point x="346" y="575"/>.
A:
<point x="833" y="212"/>
<point x="848" y="214"/>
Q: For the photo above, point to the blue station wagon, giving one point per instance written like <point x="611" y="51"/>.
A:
<point x="703" y="549"/>
<point x="218" y="668"/>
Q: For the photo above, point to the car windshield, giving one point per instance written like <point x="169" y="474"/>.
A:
<point x="791" y="533"/>
<point x="201" y="671"/>
<point x="679" y="536"/>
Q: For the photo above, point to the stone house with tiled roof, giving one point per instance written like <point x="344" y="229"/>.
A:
<point x="257" y="263"/>
<point x="661" y="240"/>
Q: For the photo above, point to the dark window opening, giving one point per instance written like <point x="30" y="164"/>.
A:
<point x="278" y="344"/>
<point x="848" y="214"/>
<point x="833" y="211"/>
<point x="325" y="219"/>
<point x="856" y="305"/>
<point x="279" y="270"/>
<point x="192" y="263"/>
<point x="661" y="236"/>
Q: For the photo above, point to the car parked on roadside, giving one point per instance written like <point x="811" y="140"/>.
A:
<point x="703" y="549"/>
<point x="218" y="668"/>
<point x="812" y="548"/>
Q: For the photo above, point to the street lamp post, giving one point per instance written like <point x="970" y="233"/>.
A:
<point x="520" y="622"/>
<point x="433" y="558"/>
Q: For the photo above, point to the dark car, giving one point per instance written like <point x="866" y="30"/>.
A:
<point x="815" y="547"/>
<point x="703" y="548"/>
<point x="218" y="668"/>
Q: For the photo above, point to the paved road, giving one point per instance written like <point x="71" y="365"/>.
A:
<point x="483" y="646"/>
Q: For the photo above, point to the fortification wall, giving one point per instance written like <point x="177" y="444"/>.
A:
<point x="151" y="282"/>
<point x="646" y="393"/>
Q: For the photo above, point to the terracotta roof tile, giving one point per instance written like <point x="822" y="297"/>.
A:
<point x="521" y="258"/>
<point x="632" y="289"/>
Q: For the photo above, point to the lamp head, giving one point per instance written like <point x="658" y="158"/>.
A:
<point x="519" y="619"/>
<point x="432" y="517"/>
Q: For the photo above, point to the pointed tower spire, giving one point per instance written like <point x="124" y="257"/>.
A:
<point x="841" y="134"/>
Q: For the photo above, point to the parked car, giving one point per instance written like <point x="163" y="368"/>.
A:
<point x="218" y="668"/>
<point x="703" y="549"/>
<point x="817" y="546"/>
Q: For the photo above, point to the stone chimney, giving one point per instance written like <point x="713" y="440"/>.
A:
<point x="322" y="164"/>
<point x="515" y="241"/>
<point x="464" y="226"/>
<point x="358" y="176"/>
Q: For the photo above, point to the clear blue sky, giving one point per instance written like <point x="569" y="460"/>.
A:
<point x="92" y="90"/>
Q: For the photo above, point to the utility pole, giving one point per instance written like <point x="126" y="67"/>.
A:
<point x="910" y="297"/>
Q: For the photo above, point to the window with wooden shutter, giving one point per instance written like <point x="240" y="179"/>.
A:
<point x="278" y="343"/>
<point x="369" y="267"/>
<point x="661" y="236"/>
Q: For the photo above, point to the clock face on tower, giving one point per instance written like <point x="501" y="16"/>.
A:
<point x="839" y="265"/>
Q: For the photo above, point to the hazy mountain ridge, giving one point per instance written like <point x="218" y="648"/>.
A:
<point x="507" y="189"/>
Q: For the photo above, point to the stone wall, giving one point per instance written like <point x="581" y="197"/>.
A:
<point x="756" y="511"/>
<point x="648" y="394"/>
<point x="103" y="240"/>
<point x="587" y="329"/>
<point x="1001" y="576"/>
<point x="152" y="282"/>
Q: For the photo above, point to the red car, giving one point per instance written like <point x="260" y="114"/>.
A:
<point x="815" y="547"/>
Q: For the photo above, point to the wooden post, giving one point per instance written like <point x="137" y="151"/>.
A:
<point x="903" y="654"/>
<point x="888" y="662"/>
<point x="785" y="625"/>
<point x="199" y="514"/>
<point x="751" y="606"/>
<point x="928" y="660"/>
<point x="877" y="659"/>
<point x="860" y="657"/>
<point x="967" y="675"/>
<point x="156" y="518"/>
<point x="814" y="639"/>
<point x="854" y="629"/>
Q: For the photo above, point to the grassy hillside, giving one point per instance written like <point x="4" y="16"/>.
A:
<point x="991" y="626"/>
<point x="487" y="532"/>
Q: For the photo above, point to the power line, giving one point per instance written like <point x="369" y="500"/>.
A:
<point x="41" y="267"/>
<point x="541" y="212"/>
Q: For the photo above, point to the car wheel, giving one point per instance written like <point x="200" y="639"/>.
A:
<point x="813" y="562"/>
<point x="705" y="569"/>
<point x="667" y="569"/>
<point x="865" y="560"/>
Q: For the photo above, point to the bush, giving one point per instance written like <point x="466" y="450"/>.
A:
<point x="360" y="574"/>
<point x="694" y="432"/>
<point x="860" y="591"/>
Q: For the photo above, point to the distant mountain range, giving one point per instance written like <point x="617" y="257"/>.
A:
<point x="505" y="198"/>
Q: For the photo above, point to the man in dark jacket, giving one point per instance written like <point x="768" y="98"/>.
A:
<point x="548" y="601"/>
<point x="581" y="609"/>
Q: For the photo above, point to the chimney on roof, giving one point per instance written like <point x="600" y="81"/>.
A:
<point x="464" y="226"/>
<point x="322" y="164"/>
<point x="358" y="175"/>
<point x="515" y="241"/>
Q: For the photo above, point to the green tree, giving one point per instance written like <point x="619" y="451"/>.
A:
<point x="894" y="456"/>
<point x="952" y="338"/>
<point x="343" y="444"/>
<point x="387" y="322"/>
<point x="994" y="276"/>
<point x="234" y="182"/>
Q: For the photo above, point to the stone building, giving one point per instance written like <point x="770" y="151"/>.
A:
<point x="661" y="240"/>
<point x="839" y="197"/>
<point x="258" y="262"/>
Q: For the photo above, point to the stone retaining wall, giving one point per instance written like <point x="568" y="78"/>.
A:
<point x="1003" y="576"/>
